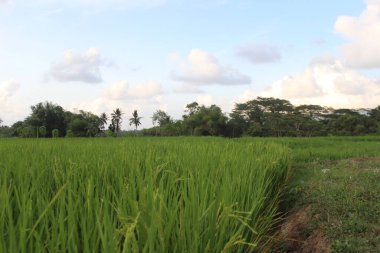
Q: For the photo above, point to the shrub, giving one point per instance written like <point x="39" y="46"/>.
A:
<point x="55" y="133"/>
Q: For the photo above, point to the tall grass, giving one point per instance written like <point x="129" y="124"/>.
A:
<point x="139" y="194"/>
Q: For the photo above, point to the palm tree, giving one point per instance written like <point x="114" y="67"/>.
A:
<point x="103" y="120"/>
<point x="135" y="120"/>
<point x="116" y="119"/>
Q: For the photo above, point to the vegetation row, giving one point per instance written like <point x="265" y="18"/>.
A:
<point x="259" y="117"/>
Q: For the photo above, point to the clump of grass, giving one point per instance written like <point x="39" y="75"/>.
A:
<point x="139" y="194"/>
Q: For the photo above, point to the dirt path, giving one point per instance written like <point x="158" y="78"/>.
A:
<point x="292" y="233"/>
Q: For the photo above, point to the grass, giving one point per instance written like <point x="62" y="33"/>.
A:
<point x="338" y="179"/>
<point x="185" y="194"/>
<point x="139" y="194"/>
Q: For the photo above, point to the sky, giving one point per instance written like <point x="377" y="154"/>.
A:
<point x="98" y="55"/>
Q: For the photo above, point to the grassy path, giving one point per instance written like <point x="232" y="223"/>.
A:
<point x="336" y="207"/>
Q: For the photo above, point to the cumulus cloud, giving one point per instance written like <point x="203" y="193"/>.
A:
<point x="201" y="68"/>
<point x="206" y="100"/>
<point x="259" y="53"/>
<point x="327" y="83"/>
<point x="7" y="90"/>
<point x="145" y="106"/>
<point x="122" y="90"/>
<point x="79" y="67"/>
<point x="223" y="102"/>
<point x="299" y="85"/>
<point x="363" y="50"/>
<point x="246" y="96"/>
<point x="186" y="89"/>
<point x="322" y="60"/>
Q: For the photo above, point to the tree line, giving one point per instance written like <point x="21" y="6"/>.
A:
<point x="258" y="117"/>
<point x="51" y="120"/>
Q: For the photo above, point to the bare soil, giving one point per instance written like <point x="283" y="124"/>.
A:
<point x="295" y="238"/>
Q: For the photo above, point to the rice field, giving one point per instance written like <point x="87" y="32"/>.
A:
<point x="140" y="194"/>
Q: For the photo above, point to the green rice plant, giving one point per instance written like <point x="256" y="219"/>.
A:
<point x="317" y="149"/>
<point x="139" y="194"/>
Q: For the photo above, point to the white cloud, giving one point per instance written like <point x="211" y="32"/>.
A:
<point x="122" y="90"/>
<point x="79" y="67"/>
<point x="363" y="50"/>
<point x="117" y="91"/>
<point x="201" y="68"/>
<point x="150" y="89"/>
<point x="300" y="85"/>
<point x="322" y="60"/>
<point x="246" y="96"/>
<point x="259" y="53"/>
<point x="206" y="100"/>
<point x="187" y="88"/>
<point x="226" y="104"/>
<point x="329" y="84"/>
<point x="145" y="107"/>
<point x="7" y="90"/>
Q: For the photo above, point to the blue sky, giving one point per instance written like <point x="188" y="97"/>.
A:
<point x="97" y="55"/>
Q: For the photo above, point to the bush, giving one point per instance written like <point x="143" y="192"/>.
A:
<point x="42" y="131"/>
<point x="55" y="133"/>
<point x="69" y="134"/>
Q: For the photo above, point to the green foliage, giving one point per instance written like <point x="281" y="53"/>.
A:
<point x="338" y="179"/>
<point x="49" y="115"/>
<point x="83" y="124"/>
<point x="42" y="131"/>
<point x="69" y="134"/>
<point x="110" y="133"/>
<point x="103" y="120"/>
<point x="161" y="118"/>
<point x="5" y="131"/>
<point x="139" y="194"/>
<point x="28" y="132"/>
<point x="264" y="117"/>
<point x="135" y="120"/>
<point x="346" y="195"/>
<point x="116" y="121"/>
<point x="202" y="120"/>
<point x="278" y="117"/>
<point x="55" y="133"/>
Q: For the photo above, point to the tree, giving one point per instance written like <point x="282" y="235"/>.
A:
<point x="206" y="121"/>
<point x="47" y="114"/>
<point x="103" y="120"/>
<point x="42" y="131"/>
<point x="1" y="121"/>
<point x="261" y="116"/>
<point x="83" y="124"/>
<point x="191" y="108"/>
<point x="78" y="127"/>
<point x="375" y="113"/>
<point x="116" y="120"/>
<point x="55" y="133"/>
<point x="135" y="120"/>
<point x="161" y="118"/>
